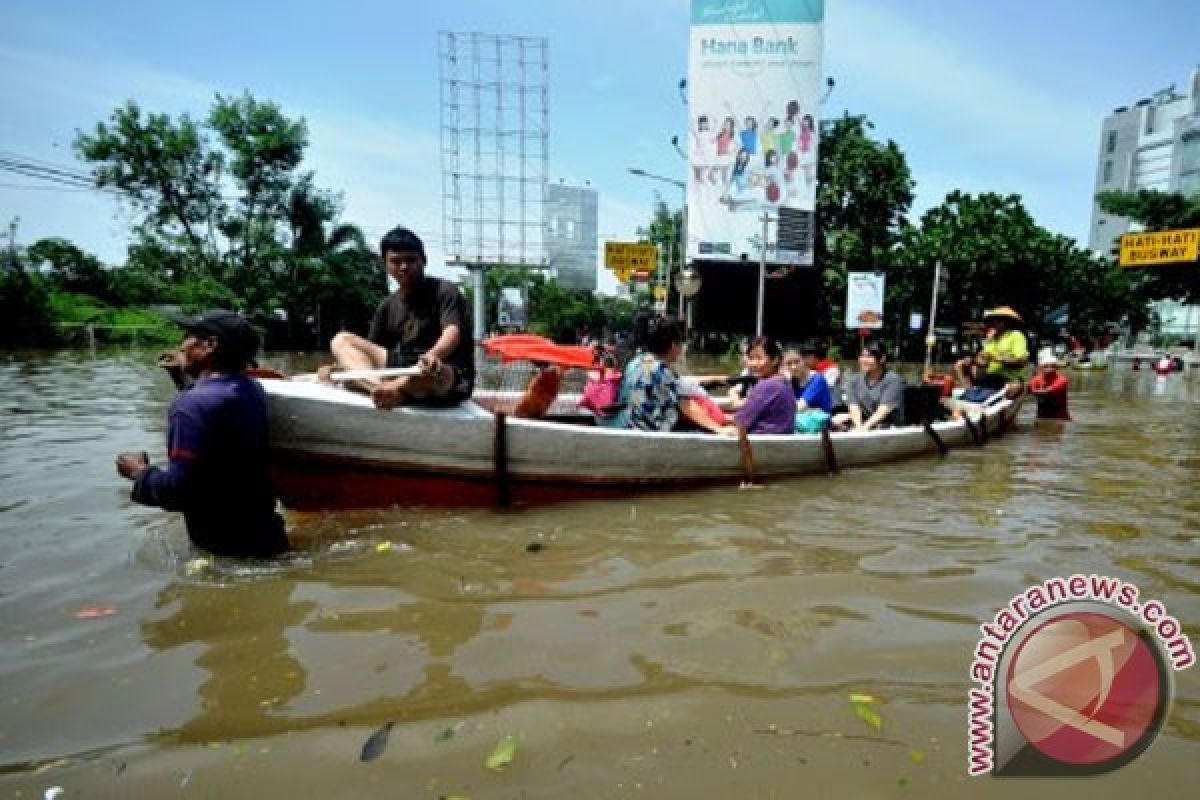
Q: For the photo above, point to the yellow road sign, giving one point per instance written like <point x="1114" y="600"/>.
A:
<point x="1161" y="247"/>
<point x="626" y="258"/>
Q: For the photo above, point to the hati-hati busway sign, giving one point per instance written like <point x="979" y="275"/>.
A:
<point x="626" y="258"/>
<point x="864" y="300"/>
<point x="1160" y="247"/>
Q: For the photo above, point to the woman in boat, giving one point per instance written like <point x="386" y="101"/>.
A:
<point x="655" y="402"/>
<point x="874" y="397"/>
<point x="770" y="407"/>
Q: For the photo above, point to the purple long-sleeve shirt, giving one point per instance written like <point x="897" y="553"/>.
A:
<point x="217" y="469"/>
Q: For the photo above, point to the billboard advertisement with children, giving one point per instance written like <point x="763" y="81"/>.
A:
<point x="754" y="87"/>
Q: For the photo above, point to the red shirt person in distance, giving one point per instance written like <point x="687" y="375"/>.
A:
<point x="1049" y="386"/>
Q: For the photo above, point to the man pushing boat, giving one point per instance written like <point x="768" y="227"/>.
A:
<point x="424" y="324"/>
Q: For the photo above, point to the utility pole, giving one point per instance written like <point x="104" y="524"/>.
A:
<point x="12" y="243"/>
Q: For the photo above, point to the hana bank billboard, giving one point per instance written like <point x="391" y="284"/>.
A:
<point x="754" y="83"/>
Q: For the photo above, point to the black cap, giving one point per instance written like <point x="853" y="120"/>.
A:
<point x="236" y="336"/>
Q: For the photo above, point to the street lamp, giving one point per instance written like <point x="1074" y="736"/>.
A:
<point x="641" y="173"/>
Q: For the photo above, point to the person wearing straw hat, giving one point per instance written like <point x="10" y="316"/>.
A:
<point x="1000" y="364"/>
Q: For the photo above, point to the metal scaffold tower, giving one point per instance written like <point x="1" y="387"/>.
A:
<point x="494" y="142"/>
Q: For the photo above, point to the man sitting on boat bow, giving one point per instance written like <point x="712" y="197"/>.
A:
<point x="424" y="324"/>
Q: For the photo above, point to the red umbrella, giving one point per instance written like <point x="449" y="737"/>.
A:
<point x="529" y="347"/>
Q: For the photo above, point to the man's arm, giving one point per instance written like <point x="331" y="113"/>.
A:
<point x="452" y="311"/>
<point x="171" y="488"/>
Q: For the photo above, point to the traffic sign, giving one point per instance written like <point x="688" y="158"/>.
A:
<point x="1160" y="247"/>
<point x="626" y="258"/>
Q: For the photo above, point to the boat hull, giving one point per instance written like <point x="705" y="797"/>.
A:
<point x="333" y="450"/>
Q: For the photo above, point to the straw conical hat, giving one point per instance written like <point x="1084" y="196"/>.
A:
<point x="1003" y="311"/>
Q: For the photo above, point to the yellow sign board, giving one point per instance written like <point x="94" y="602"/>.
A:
<point x="660" y="293"/>
<point x="626" y="258"/>
<point x="1161" y="247"/>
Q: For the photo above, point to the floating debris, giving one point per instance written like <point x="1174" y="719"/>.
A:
<point x="864" y="707"/>
<point x="376" y="743"/>
<point x="95" y="612"/>
<point x="502" y="754"/>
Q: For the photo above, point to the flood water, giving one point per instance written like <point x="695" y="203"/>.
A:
<point x="690" y="645"/>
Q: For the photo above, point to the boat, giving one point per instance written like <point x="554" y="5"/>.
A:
<point x="332" y="449"/>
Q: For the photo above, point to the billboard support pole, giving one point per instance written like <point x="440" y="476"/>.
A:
<point x="762" y="276"/>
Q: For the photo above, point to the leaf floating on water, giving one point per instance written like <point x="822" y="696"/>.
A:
<point x="453" y="797"/>
<point x="376" y="743"/>
<point x="383" y="547"/>
<point x="502" y="754"/>
<point x="916" y="756"/>
<point x="864" y="707"/>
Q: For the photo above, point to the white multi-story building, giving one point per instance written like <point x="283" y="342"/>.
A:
<point x="572" y="244"/>
<point x="1153" y="144"/>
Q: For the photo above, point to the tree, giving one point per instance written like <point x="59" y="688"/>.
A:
<point x="1157" y="211"/>
<point x="993" y="253"/>
<point x="166" y="170"/>
<point x="73" y="270"/>
<point x="336" y="278"/>
<point x="228" y="217"/>
<point x="24" y="300"/>
<point x="865" y="190"/>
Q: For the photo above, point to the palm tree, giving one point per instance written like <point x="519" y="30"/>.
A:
<point x="336" y="280"/>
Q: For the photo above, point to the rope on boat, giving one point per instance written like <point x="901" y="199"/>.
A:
<point x="830" y="455"/>
<point x="937" y="440"/>
<point x="500" y="461"/>
<point x="747" y="454"/>
<point x="974" y="431"/>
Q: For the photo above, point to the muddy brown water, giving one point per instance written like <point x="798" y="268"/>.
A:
<point x="697" y="644"/>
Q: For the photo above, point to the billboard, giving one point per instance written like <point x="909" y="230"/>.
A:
<point x="864" y="300"/>
<point x="754" y="84"/>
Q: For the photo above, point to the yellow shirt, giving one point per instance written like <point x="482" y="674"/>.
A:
<point x="1008" y="345"/>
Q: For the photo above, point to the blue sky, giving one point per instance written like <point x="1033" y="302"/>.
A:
<point x="1005" y="97"/>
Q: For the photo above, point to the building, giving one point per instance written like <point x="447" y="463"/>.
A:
<point x="572" y="245"/>
<point x="1153" y="144"/>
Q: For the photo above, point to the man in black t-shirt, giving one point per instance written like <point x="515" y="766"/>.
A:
<point x="424" y="324"/>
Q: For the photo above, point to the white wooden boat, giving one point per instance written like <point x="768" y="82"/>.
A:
<point x="332" y="449"/>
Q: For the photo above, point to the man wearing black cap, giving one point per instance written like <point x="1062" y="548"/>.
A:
<point x="425" y="325"/>
<point x="216" y="445"/>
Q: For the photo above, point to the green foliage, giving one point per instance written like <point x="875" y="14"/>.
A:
<point x="73" y="313"/>
<point x="71" y="269"/>
<point x="273" y="244"/>
<point x="1158" y="211"/>
<point x="864" y="192"/>
<point x="555" y="311"/>
<point x="25" y="314"/>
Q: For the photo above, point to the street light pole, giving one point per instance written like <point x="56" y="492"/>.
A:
<point x="682" y="262"/>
